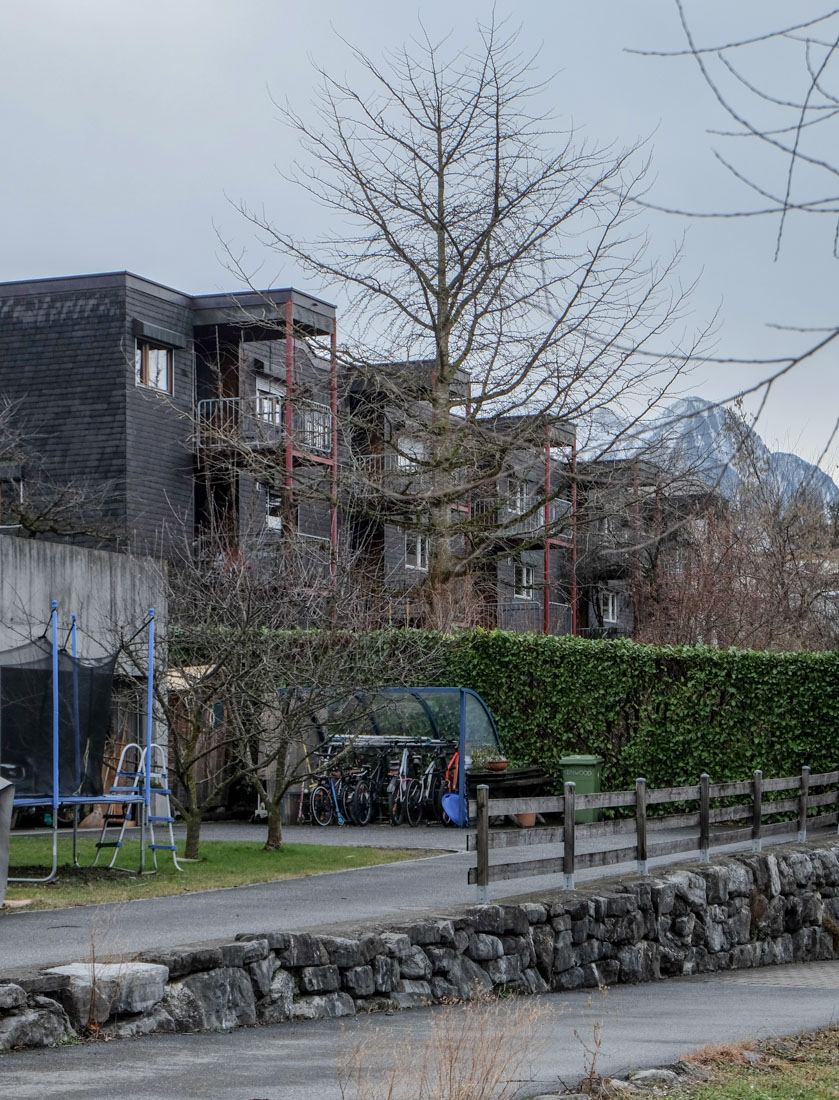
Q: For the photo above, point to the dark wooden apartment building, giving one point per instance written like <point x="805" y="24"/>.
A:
<point x="200" y="417"/>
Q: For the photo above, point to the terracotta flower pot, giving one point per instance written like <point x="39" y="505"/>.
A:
<point x="497" y="765"/>
<point x="526" y="821"/>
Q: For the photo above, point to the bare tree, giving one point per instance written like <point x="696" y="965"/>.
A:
<point x="498" y="290"/>
<point x="756" y="568"/>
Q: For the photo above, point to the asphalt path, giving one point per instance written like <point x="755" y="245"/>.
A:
<point x="391" y="893"/>
<point x="640" y="1026"/>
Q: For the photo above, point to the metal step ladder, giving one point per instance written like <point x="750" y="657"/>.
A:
<point x="128" y="788"/>
<point x="128" y="784"/>
<point x="159" y="777"/>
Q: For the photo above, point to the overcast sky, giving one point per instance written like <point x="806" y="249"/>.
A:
<point x="129" y="126"/>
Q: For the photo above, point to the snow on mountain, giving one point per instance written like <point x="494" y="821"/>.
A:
<point x="711" y="442"/>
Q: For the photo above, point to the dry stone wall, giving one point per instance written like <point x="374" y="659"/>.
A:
<point x="756" y="909"/>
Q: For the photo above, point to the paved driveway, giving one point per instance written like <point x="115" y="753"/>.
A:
<point x="642" y="1026"/>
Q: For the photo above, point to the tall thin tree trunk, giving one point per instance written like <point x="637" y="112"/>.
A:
<point x="193" y="833"/>
<point x="274" y="842"/>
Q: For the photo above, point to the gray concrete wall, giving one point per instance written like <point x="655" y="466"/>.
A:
<point x="109" y="592"/>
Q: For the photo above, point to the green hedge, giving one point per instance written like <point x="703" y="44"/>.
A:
<point x="667" y="713"/>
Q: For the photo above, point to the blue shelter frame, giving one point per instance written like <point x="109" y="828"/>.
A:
<point x="55" y="798"/>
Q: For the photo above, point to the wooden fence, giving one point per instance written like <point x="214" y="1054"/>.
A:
<point x="811" y="810"/>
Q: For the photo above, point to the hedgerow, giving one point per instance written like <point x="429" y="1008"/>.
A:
<point x="667" y="713"/>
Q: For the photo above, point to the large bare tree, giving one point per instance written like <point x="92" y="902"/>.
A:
<point x="497" y="287"/>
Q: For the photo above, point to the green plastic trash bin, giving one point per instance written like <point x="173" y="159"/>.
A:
<point x="585" y="772"/>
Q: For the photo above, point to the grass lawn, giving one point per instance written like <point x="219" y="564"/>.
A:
<point x="799" y="1067"/>
<point x="222" y="864"/>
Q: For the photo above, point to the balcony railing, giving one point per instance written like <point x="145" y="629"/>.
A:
<point x="527" y="517"/>
<point x="527" y="616"/>
<point x="225" y="423"/>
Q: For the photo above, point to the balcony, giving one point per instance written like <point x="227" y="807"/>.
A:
<point x="526" y="616"/>
<point x="527" y="517"/>
<point x="258" y="423"/>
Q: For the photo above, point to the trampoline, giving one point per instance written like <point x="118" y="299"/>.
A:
<point x="54" y="720"/>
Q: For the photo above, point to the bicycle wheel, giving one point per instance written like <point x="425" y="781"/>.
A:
<point x="396" y="804"/>
<point x="361" y="804"/>
<point x="413" y="803"/>
<point x="320" y="805"/>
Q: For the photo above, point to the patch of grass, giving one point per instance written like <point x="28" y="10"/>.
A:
<point x="800" y="1067"/>
<point x="234" y="863"/>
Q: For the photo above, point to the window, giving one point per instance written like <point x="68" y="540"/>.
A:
<point x="523" y="581"/>
<point x="153" y="365"/>
<point x="416" y="551"/>
<point x="269" y="405"/>
<point x="273" y="510"/>
<point x="315" y="429"/>
<point x="411" y="453"/>
<point x="520" y="501"/>
<point x="609" y="607"/>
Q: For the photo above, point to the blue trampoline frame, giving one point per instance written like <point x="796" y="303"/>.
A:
<point x="55" y="800"/>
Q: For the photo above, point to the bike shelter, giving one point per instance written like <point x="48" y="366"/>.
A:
<point x="416" y="714"/>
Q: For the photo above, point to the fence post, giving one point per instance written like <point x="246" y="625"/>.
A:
<point x="483" y="843"/>
<point x="704" y="818"/>
<point x="757" y="810"/>
<point x="569" y="817"/>
<point x="641" y="825"/>
<point x="802" y="805"/>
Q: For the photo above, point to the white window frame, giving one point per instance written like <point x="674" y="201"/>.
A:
<point x="417" y="546"/>
<point x="524" y="579"/>
<point x="608" y="605"/>
<point x="520" y="499"/>
<point x="143" y="367"/>
<point x="273" y="509"/>
<point x="269" y="404"/>
<point x="411" y="454"/>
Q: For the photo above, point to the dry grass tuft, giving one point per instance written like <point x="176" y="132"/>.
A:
<point x="479" y="1051"/>
<point x="720" y="1054"/>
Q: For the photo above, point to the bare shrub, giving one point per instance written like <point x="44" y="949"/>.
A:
<point x="480" y="1051"/>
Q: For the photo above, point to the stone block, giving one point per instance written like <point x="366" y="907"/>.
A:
<point x="156" y="1022"/>
<point x="386" y="973"/>
<point x="98" y="991"/>
<point x="275" y="1007"/>
<point x="370" y="945"/>
<point x="515" y="920"/>
<point x="518" y="945"/>
<point x="469" y="979"/>
<point x="213" y="1000"/>
<point x="42" y="1024"/>
<point x="716" y="884"/>
<point x="564" y="957"/>
<point x="505" y="970"/>
<point x="302" y="949"/>
<point x="11" y="996"/>
<point x="182" y="961"/>
<point x="343" y="952"/>
<point x="663" y="897"/>
<point x="542" y="938"/>
<point x="261" y="974"/>
<point x="442" y="959"/>
<point x="740" y="879"/>
<point x="324" y="1007"/>
<point x="320" y="979"/>
<point x="690" y="888"/>
<point x="534" y="981"/>
<point x="487" y="918"/>
<point x="411" y="994"/>
<point x="443" y="991"/>
<point x="535" y="913"/>
<point x="483" y="947"/>
<point x="396" y="944"/>
<point x="639" y="963"/>
<point x="416" y="965"/>
<point x="569" y="979"/>
<point x="359" y="981"/>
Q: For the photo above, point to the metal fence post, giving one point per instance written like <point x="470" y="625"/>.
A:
<point x="802" y="804"/>
<point x="704" y="818"/>
<point x="483" y="843"/>
<point x="641" y="825"/>
<point x="757" y="810"/>
<point x="569" y="817"/>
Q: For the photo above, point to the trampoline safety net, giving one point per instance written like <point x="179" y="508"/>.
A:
<point x="26" y="720"/>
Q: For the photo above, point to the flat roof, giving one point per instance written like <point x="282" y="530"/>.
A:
<point x="209" y="309"/>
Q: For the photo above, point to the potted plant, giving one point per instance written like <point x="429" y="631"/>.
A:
<point x="488" y="760"/>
